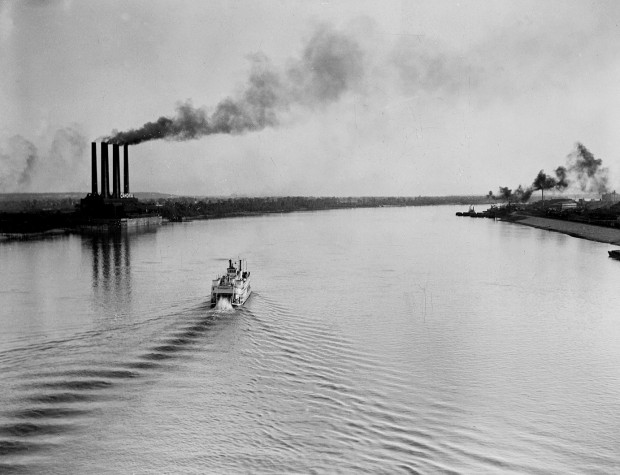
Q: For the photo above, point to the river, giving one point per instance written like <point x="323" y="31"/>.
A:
<point x="386" y="340"/>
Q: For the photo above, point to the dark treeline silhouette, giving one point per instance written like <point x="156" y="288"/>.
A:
<point x="176" y="209"/>
<point x="37" y="221"/>
<point x="32" y="213"/>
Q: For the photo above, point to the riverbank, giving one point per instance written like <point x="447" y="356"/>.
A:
<point x="26" y="217"/>
<point x="580" y="230"/>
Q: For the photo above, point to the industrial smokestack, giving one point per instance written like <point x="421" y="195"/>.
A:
<point x="105" y="188"/>
<point x="126" y="169"/>
<point x="116" y="172"/>
<point x="93" y="189"/>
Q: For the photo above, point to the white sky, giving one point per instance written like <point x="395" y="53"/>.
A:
<point x="455" y="97"/>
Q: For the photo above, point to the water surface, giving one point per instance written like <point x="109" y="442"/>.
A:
<point x="377" y="340"/>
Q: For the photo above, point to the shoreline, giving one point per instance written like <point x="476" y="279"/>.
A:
<point x="571" y="228"/>
<point x="574" y="229"/>
<point x="30" y="223"/>
<point x="8" y="237"/>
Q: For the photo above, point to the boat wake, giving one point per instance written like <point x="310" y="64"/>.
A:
<point x="223" y="304"/>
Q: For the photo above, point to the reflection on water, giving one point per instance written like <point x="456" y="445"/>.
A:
<point x="111" y="267"/>
<point x="111" y="273"/>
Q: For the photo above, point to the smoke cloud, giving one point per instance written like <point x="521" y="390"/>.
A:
<point x="582" y="171"/>
<point x="505" y="192"/>
<point x="330" y="65"/>
<point x="22" y="168"/>
<point x="18" y="159"/>
<point x="523" y="194"/>
<point x="586" y="171"/>
<point x="520" y="194"/>
<point x="425" y="66"/>
<point x="544" y="181"/>
<point x="562" y="178"/>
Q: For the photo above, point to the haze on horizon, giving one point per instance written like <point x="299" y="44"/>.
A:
<point x="306" y="98"/>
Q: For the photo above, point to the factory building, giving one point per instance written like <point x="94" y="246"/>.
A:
<point x="102" y="202"/>
<point x="107" y="204"/>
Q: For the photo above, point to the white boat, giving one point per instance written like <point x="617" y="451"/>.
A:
<point x="234" y="286"/>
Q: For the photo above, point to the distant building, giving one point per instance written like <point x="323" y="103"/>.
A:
<point x="612" y="197"/>
<point x="560" y="204"/>
<point x="593" y="204"/>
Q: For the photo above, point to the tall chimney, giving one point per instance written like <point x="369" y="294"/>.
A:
<point x="93" y="189"/>
<point x="126" y="168"/>
<point x="116" y="172"/>
<point x="105" y="188"/>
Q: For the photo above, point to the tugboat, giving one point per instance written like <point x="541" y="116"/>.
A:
<point x="233" y="287"/>
<point x="615" y="254"/>
<point x="471" y="212"/>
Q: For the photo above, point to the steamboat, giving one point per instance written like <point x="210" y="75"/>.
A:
<point x="234" y="286"/>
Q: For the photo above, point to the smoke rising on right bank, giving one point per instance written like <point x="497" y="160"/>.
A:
<point x="583" y="172"/>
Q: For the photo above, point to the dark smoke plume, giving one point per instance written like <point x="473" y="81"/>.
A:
<point x="331" y="64"/>
<point x="561" y="178"/>
<point x="582" y="170"/>
<point x="523" y="194"/>
<point x="544" y="181"/>
<point x="520" y="194"/>
<point x="505" y="193"/>
<point x="587" y="171"/>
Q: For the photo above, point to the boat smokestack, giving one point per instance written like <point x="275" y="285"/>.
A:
<point x="115" y="171"/>
<point x="93" y="188"/>
<point x="105" y="189"/>
<point x="126" y="168"/>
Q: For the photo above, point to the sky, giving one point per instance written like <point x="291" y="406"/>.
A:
<point x="321" y="98"/>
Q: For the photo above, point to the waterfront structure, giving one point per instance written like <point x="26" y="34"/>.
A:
<point x="560" y="204"/>
<point x="103" y="208"/>
<point x="556" y="204"/>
